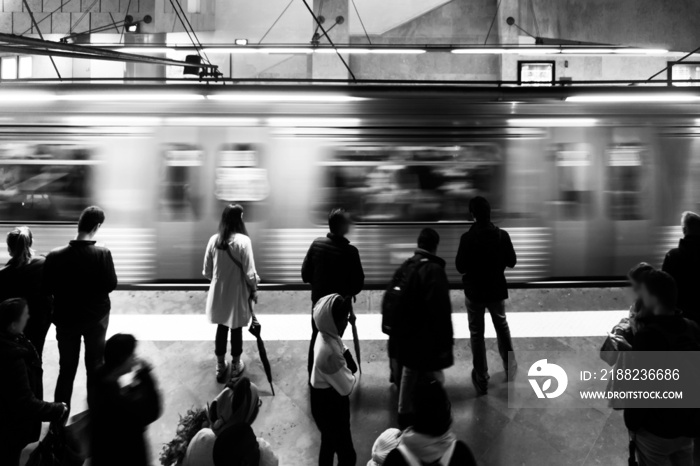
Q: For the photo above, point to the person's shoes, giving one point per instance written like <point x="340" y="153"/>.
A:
<point x="237" y="369"/>
<point x="480" y="387"/>
<point x="510" y="373"/>
<point x="221" y="369"/>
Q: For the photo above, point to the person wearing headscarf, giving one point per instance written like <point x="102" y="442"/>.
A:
<point x="385" y="444"/>
<point x="332" y="381"/>
<point x="429" y="441"/>
<point x="238" y="446"/>
<point x="238" y="403"/>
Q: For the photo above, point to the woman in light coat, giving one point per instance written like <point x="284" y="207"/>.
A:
<point x="229" y="265"/>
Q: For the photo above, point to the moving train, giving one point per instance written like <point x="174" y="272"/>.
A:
<point x="588" y="181"/>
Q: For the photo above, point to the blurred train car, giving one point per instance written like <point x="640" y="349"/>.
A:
<point x="585" y="189"/>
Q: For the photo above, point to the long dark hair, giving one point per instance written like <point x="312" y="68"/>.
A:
<point x="19" y="244"/>
<point x="231" y="222"/>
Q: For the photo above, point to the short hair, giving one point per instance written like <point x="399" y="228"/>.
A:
<point x="691" y="223"/>
<point x="480" y="208"/>
<point x="10" y="311"/>
<point x="428" y="239"/>
<point x="236" y="446"/>
<point x="432" y="408"/>
<point x="118" y="349"/>
<point x="336" y="219"/>
<point x="90" y="218"/>
<point x="663" y="287"/>
<point x="639" y="271"/>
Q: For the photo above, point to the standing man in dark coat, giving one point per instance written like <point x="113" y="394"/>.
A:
<point x="483" y="255"/>
<point x="683" y="264"/>
<point x="80" y="276"/>
<point x="424" y="331"/>
<point x="332" y="265"/>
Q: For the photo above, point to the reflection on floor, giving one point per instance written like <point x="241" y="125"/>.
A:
<point x="498" y="435"/>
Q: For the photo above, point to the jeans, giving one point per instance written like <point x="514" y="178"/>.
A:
<point x="657" y="451"/>
<point x="331" y="412"/>
<point x="409" y="380"/>
<point x="69" y="337"/>
<point x="476" y="312"/>
<point x="312" y="343"/>
<point x="236" y="341"/>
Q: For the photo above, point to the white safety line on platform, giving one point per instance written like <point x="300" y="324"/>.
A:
<point x="297" y="327"/>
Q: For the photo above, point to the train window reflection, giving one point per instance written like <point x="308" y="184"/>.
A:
<point x="238" y="175"/>
<point x="44" y="182"/>
<point x="573" y="162"/>
<point x="625" y="183"/>
<point x="181" y="198"/>
<point x="411" y="183"/>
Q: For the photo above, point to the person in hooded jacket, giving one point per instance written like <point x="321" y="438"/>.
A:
<point x="683" y="264"/>
<point x="22" y="277"/>
<point x="483" y="255"/>
<point x="332" y="381"/>
<point x="429" y="441"/>
<point x="238" y="446"/>
<point x="21" y="407"/>
<point x="424" y="332"/>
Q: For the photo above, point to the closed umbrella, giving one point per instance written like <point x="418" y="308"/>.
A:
<point x="255" y="329"/>
<point x="355" y="339"/>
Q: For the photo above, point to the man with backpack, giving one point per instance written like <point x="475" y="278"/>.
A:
<point x="423" y="332"/>
<point x="483" y="255"/>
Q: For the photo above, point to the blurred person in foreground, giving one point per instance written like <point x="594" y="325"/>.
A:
<point x="424" y="332"/>
<point x="80" y="277"/>
<point x="429" y="441"/>
<point x="332" y="265"/>
<point x="238" y="446"/>
<point x="483" y="255"/>
<point x="230" y="266"/>
<point x="663" y="435"/>
<point x="22" y="277"/>
<point x="683" y="264"/>
<point x="332" y="381"/>
<point x="387" y="442"/>
<point x="123" y="401"/>
<point x="22" y="409"/>
<point x="238" y="404"/>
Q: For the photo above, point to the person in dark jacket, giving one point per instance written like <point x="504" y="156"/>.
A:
<point x="332" y="265"/>
<point x="424" y="333"/>
<point x="429" y="441"/>
<point x="80" y="277"/>
<point x="21" y="407"/>
<point x="483" y="255"/>
<point x="663" y="434"/>
<point x="120" y="414"/>
<point x="683" y="264"/>
<point x="22" y="277"/>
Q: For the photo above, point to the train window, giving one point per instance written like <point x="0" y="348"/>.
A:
<point x="532" y="73"/>
<point x="624" y="183"/>
<point x="44" y="182"/>
<point x="239" y="178"/>
<point x="411" y="184"/>
<point x="180" y="182"/>
<point x="573" y="162"/>
<point x="684" y="71"/>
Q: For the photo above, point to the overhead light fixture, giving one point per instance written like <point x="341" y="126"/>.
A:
<point x="283" y="98"/>
<point x="632" y="51"/>
<point x="241" y="41"/>
<point x="533" y="51"/>
<point x="623" y="98"/>
<point x="341" y="50"/>
<point x="478" y="51"/>
<point x="398" y="51"/>
<point x="587" y="51"/>
<point x="129" y="97"/>
<point x="144" y="50"/>
<point x="552" y="122"/>
<point x="290" y="50"/>
<point x="233" y="50"/>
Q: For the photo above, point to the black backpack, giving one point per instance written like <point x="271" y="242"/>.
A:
<point x="394" y="296"/>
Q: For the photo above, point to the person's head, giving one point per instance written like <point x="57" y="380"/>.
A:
<point x="387" y="442"/>
<point x="433" y="411"/>
<point x="659" y="292"/>
<point x="236" y="446"/>
<point x="690" y="221"/>
<point x="90" y="221"/>
<point x="480" y="209"/>
<point x="341" y="313"/>
<point x="231" y="222"/>
<point x="238" y="402"/>
<point x="339" y="222"/>
<point x="428" y="240"/>
<point x="14" y="314"/>
<point x="636" y="276"/>
<point x="19" y="245"/>
<point x="120" y="354"/>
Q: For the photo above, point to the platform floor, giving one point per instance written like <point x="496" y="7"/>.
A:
<point x="498" y="435"/>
